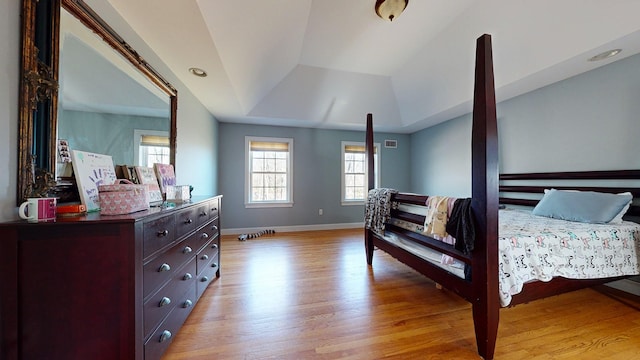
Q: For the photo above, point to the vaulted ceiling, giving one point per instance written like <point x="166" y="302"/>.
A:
<point x="327" y="63"/>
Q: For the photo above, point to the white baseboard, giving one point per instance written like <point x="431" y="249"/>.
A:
<point x="277" y="229"/>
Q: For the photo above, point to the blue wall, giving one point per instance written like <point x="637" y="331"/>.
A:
<point x="588" y="122"/>
<point x="102" y="133"/>
<point x="9" y="85"/>
<point x="316" y="176"/>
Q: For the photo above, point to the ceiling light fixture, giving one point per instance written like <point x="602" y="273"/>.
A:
<point x="605" y="55"/>
<point x="390" y="9"/>
<point x="198" y="72"/>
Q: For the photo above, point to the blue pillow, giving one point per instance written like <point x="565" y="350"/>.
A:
<point x="582" y="206"/>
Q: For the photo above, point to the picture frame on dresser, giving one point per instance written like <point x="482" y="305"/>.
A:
<point x="147" y="176"/>
<point x="92" y="170"/>
<point x="166" y="176"/>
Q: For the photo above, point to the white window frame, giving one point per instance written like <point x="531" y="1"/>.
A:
<point x="376" y="176"/>
<point x="250" y="203"/>
<point x="137" y="139"/>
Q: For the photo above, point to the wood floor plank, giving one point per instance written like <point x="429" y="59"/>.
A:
<point x="311" y="295"/>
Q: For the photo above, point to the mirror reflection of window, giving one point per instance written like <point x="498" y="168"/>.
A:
<point x="151" y="147"/>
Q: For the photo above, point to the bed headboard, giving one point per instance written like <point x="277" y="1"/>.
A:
<point x="513" y="186"/>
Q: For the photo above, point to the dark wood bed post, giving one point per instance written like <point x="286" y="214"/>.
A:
<point x="484" y="163"/>
<point x="368" y="241"/>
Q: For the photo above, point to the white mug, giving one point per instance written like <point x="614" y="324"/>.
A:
<point x="38" y="209"/>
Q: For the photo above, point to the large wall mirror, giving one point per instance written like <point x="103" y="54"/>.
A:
<point x="84" y="87"/>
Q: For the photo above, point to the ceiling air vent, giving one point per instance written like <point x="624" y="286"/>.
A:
<point x="392" y="144"/>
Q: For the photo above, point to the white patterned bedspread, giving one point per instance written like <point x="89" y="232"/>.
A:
<point x="539" y="248"/>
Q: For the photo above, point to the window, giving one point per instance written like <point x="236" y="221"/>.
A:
<point x="268" y="176"/>
<point x="354" y="172"/>
<point x="150" y="147"/>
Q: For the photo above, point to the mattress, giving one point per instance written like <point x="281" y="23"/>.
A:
<point x="539" y="248"/>
<point x="435" y="257"/>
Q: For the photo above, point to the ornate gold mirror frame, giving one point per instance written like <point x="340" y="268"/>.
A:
<point x="38" y="107"/>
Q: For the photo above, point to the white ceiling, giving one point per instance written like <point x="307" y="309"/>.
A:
<point x="327" y="63"/>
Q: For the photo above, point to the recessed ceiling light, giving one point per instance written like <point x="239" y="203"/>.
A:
<point x="605" y="55"/>
<point x="198" y="72"/>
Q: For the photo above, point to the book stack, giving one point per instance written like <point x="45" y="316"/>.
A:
<point x="70" y="210"/>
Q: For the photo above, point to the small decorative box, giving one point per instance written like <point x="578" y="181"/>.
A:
<point x="123" y="197"/>
<point x="178" y="193"/>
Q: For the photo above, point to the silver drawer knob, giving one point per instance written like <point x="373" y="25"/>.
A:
<point x="187" y="249"/>
<point x="188" y="221"/>
<point x="204" y="236"/>
<point x="187" y="304"/>
<point x="214" y="246"/>
<point x="166" y="335"/>
<point x="204" y="257"/>
<point x="164" y="267"/>
<point x="204" y="213"/>
<point x="164" y="301"/>
<point x="214" y="227"/>
<point x="214" y="265"/>
<point x="163" y="233"/>
<point x="204" y="279"/>
<point x="187" y="276"/>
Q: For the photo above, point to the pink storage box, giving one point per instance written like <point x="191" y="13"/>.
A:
<point x="123" y="197"/>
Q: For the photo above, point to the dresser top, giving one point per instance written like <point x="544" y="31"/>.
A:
<point x="153" y="212"/>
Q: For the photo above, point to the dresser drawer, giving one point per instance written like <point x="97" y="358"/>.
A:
<point x="162" y="269"/>
<point x="214" y="227"/>
<point x="186" y="221"/>
<point x="204" y="235"/>
<point x="208" y="274"/>
<point x="160" y="340"/>
<point x="160" y="304"/>
<point x="214" y="208"/>
<point x="158" y="234"/>
<point x="206" y="255"/>
<point x="203" y="214"/>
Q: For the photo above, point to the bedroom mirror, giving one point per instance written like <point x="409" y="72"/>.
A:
<point x="84" y="88"/>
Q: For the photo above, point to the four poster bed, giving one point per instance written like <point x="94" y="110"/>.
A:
<point x="492" y="270"/>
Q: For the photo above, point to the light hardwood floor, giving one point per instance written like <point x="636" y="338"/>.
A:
<point x="311" y="295"/>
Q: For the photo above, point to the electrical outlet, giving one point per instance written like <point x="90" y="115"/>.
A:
<point x="320" y="211"/>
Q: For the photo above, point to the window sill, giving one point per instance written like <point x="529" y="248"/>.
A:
<point x="268" y="205"/>
<point x="353" y="202"/>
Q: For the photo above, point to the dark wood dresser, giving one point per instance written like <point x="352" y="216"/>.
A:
<point x="105" y="287"/>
